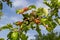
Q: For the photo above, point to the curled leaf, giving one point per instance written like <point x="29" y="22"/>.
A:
<point x="32" y="7"/>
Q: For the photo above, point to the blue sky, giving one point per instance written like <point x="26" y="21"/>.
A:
<point x="10" y="15"/>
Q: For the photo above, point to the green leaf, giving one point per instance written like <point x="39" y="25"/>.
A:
<point x="1" y="5"/>
<point x="48" y="4"/>
<point x="38" y="30"/>
<point x="17" y="11"/>
<point x="54" y="12"/>
<point x="49" y="29"/>
<point x="39" y="10"/>
<point x="45" y="11"/>
<point x="39" y="14"/>
<point x="9" y="35"/>
<point x="9" y="4"/>
<point x="23" y="37"/>
<point x="26" y="15"/>
<point x="31" y="25"/>
<point x="24" y="27"/>
<point x="43" y="19"/>
<point x="1" y="14"/>
<point x="8" y="26"/>
<point x="57" y="20"/>
<point x="51" y="26"/>
<point x="20" y="11"/>
<point x="45" y="0"/>
<point x="13" y="35"/>
<point x="1" y="38"/>
<point x="42" y="12"/>
<point x="54" y="3"/>
<point x="31" y="7"/>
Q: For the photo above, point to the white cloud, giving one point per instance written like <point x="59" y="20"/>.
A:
<point x="20" y="3"/>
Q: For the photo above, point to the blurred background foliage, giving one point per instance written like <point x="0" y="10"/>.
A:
<point x="38" y="16"/>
